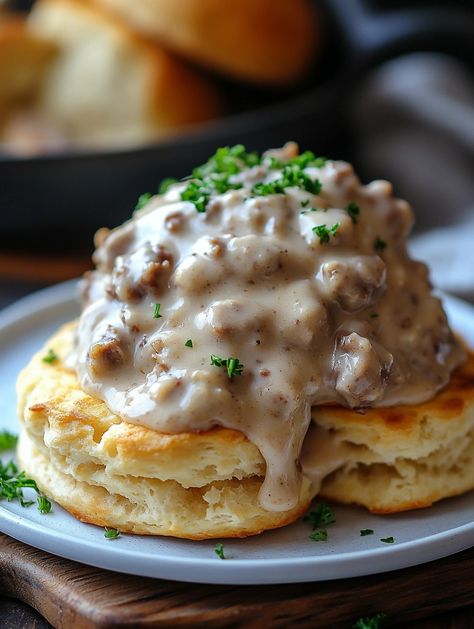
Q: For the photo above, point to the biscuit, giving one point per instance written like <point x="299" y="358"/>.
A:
<point x="270" y="42"/>
<point x="406" y="457"/>
<point x="112" y="473"/>
<point x="203" y="485"/>
<point x="110" y="85"/>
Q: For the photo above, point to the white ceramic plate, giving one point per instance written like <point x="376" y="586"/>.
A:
<point x="282" y="556"/>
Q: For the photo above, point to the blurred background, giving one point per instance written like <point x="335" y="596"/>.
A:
<point x="102" y="99"/>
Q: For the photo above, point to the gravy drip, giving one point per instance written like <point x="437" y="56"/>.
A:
<point x="348" y="320"/>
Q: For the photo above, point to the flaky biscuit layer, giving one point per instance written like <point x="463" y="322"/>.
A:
<point x="406" y="457"/>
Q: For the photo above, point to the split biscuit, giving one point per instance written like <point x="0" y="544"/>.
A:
<point x="205" y="485"/>
<point x="405" y="457"/>
<point x="113" y="473"/>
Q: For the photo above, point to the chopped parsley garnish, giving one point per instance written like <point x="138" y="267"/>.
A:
<point x="165" y="184"/>
<point x="275" y="164"/>
<point x="7" y="441"/>
<point x="305" y="203"/>
<point x="12" y="484"/>
<point x="387" y="540"/>
<point x="219" y="550"/>
<point x="364" y="532"/>
<point x="307" y="159"/>
<point x="319" y="162"/>
<point x="214" y="176"/>
<point x="198" y="194"/>
<point x="143" y="200"/>
<point x="156" y="311"/>
<point x="44" y="505"/>
<point x="323" y="233"/>
<point x="111" y="533"/>
<point x="51" y="357"/>
<point x="304" y="160"/>
<point x="379" y="244"/>
<point x="322" y="515"/>
<point x="369" y="623"/>
<point x="233" y="365"/>
<point x="320" y="535"/>
<point x="292" y="176"/>
<point x="353" y="210"/>
<point x="227" y="160"/>
<point x="189" y="343"/>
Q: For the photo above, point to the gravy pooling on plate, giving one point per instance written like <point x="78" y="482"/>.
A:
<point x="256" y="289"/>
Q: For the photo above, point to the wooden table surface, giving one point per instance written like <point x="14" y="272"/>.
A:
<point x="455" y="576"/>
<point x="75" y="596"/>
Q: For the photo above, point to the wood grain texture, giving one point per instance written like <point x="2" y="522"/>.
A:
<point x="458" y="619"/>
<point x="72" y="596"/>
<point x="17" y="615"/>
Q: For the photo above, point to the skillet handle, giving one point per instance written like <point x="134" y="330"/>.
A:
<point x="371" y="34"/>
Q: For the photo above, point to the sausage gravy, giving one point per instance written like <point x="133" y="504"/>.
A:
<point x="244" y="296"/>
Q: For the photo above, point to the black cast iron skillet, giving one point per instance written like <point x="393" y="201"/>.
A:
<point x="57" y="202"/>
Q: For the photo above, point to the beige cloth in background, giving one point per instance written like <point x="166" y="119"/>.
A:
<point x="414" y="118"/>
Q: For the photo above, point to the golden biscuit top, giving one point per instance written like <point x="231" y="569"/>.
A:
<point x="256" y="289"/>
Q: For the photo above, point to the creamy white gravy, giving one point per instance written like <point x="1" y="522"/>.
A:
<point x="346" y="320"/>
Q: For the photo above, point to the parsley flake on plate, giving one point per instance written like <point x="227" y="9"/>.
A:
<point x="189" y="343"/>
<point x="50" y="357"/>
<point x="319" y="535"/>
<point x="44" y="505"/>
<point x="387" y="540"/>
<point x="219" y="550"/>
<point x="12" y="484"/>
<point x="321" y="515"/>
<point x="156" y="311"/>
<point x="7" y="441"/>
<point x="364" y="532"/>
<point x="110" y="533"/>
